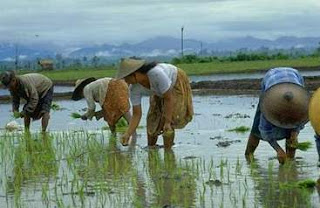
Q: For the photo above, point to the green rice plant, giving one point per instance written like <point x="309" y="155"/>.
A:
<point x="304" y="184"/>
<point x="55" y="107"/>
<point x="240" y="129"/>
<point x="308" y="183"/>
<point x="303" y="146"/>
<point x="75" y="115"/>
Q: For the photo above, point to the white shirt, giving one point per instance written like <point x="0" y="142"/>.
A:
<point x="95" y="92"/>
<point x="162" y="77"/>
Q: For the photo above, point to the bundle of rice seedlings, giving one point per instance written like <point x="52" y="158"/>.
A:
<point x="55" y="107"/>
<point x="308" y="183"/>
<point x="303" y="146"/>
<point x="16" y="114"/>
<point x="75" y="115"/>
<point x="121" y="123"/>
<point x="240" y="129"/>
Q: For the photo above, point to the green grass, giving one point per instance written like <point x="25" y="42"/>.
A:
<point x="245" y="66"/>
<point x="191" y="69"/>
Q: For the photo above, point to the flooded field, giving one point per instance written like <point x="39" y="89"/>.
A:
<point x="79" y="163"/>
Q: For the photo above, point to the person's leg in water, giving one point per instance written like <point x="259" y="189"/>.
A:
<point x="27" y="121"/>
<point x="291" y="143"/>
<point x="168" y="139"/>
<point x="45" y="121"/>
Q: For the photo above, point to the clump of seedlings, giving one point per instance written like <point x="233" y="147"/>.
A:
<point x="75" y="115"/>
<point x="56" y="107"/>
<point x="303" y="146"/>
<point x="240" y="129"/>
<point x="307" y="183"/>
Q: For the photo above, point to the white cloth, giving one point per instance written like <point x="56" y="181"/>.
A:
<point x="162" y="77"/>
<point x="95" y="92"/>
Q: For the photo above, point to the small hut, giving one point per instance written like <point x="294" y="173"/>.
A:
<point x="46" y="64"/>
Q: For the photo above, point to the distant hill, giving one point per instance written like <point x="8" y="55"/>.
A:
<point x="158" y="46"/>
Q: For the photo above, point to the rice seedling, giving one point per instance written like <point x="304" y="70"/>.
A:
<point x="303" y="146"/>
<point x="304" y="184"/>
<point x="56" y="107"/>
<point x="75" y="115"/>
<point x="240" y="129"/>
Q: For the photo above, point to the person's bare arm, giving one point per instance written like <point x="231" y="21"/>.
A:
<point x="134" y="122"/>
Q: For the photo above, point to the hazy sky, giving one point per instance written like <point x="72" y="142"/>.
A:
<point x="119" y="21"/>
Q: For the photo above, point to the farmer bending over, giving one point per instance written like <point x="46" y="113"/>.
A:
<point x="170" y="98"/>
<point x="111" y="94"/>
<point x="36" y="89"/>
<point x="281" y="113"/>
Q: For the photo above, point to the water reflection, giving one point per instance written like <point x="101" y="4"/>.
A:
<point x="34" y="163"/>
<point x="278" y="188"/>
<point x="174" y="185"/>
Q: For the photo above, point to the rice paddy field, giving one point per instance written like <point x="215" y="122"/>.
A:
<point x="80" y="164"/>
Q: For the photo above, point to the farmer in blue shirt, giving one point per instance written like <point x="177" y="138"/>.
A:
<point x="314" y="116"/>
<point x="281" y="113"/>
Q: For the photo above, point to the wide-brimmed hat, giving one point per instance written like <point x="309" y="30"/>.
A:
<point x="314" y="111"/>
<point x="6" y="77"/>
<point x="285" y="105"/>
<point x="79" y="85"/>
<point x="128" y="66"/>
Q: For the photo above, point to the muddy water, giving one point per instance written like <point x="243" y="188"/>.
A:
<point x="91" y="169"/>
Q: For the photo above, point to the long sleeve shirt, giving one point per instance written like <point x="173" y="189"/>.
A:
<point x="95" y="92"/>
<point x="32" y="87"/>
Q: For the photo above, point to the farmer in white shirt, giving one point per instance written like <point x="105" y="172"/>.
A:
<point x="111" y="94"/>
<point x="170" y="98"/>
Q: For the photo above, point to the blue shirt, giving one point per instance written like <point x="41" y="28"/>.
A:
<point x="275" y="76"/>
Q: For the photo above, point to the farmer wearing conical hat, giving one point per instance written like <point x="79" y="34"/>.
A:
<point x="111" y="94"/>
<point x="170" y="98"/>
<point x="36" y="89"/>
<point x="281" y="113"/>
<point x="314" y="117"/>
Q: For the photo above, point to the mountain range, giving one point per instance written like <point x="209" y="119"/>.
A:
<point x="158" y="46"/>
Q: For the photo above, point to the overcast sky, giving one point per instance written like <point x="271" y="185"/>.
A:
<point x="119" y="21"/>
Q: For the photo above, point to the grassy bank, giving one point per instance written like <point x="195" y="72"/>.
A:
<point x="191" y="69"/>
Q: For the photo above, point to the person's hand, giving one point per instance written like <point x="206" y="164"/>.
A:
<point x="84" y="117"/>
<point x="22" y="114"/>
<point x="282" y="157"/>
<point x="125" y="139"/>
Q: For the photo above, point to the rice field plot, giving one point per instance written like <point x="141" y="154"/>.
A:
<point x="80" y="164"/>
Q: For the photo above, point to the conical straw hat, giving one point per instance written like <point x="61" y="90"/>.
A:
<point x="314" y="111"/>
<point x="285" y="105"/>
<point x="128" y="66"/>
<point x="79" y="85"/>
